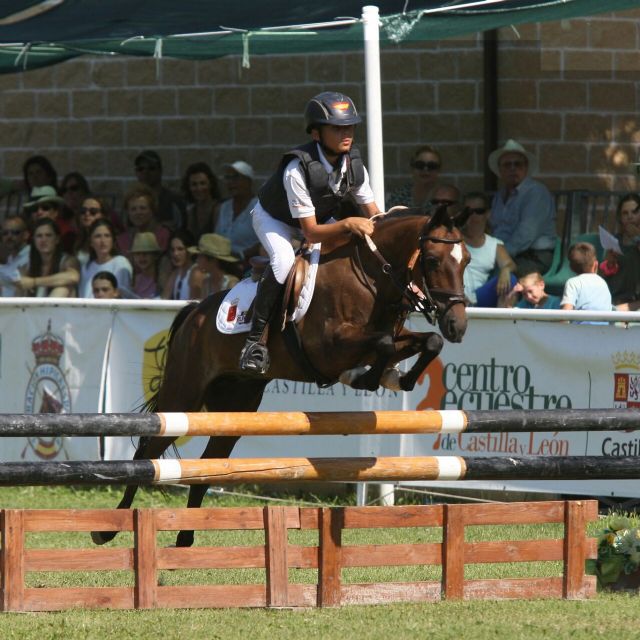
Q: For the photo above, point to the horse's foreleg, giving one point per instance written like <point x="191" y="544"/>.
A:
<point x="147" y="448"/>
<point x="217" y="447"/>
<point x="428" y="346"/>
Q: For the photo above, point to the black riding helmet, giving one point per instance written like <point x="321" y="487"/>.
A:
<point x="330" y="107"/>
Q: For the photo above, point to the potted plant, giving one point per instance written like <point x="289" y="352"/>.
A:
<point x="618" y="554"/>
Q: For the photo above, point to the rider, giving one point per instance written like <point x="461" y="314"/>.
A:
<point x="308" y="189"/>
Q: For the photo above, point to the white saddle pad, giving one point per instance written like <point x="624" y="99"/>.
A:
<point x="232" y="314"/>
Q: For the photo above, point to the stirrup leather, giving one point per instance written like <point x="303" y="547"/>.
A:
<point x="255" y="357"/>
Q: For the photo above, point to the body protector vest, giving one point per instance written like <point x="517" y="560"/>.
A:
<point x="273" y="196"/>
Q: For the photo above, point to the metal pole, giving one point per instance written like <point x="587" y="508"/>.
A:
<point x="375" y="165"/>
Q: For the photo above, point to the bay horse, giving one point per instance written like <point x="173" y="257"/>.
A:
<point x="352" y="331"/>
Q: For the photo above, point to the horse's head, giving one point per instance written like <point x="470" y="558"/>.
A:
<point x="441" y="260"/>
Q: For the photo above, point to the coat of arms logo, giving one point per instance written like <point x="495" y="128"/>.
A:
<point x="626" y="387"/>
<point x="47" y="391"/>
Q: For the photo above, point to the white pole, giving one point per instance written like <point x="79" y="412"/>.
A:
<point x="375" y="166"/>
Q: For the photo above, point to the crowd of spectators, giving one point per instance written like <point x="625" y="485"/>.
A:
<point x="67" y="241"/>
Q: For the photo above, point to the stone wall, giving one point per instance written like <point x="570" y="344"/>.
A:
<point x="567" y="90"/>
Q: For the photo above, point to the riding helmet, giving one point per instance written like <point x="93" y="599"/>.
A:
<point x="330" y="107"/>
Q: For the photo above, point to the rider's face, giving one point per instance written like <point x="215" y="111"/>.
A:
<point x="337" y="139"/>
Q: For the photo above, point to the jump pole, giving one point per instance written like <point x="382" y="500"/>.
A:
<point x="315" y="423"/>
<point x="276" y="470"/>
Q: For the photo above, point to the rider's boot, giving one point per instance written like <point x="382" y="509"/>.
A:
<point x="254" y="355"/>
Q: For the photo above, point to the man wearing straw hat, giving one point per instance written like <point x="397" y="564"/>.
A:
<point x="214" y="257"/>
<point x="523" y="212"/>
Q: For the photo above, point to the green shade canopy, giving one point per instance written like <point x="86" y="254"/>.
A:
<point x="38" y="33"/>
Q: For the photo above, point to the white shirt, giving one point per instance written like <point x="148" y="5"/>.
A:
<point x="17" y="262"/>
<point x="587" y="292"/>
<point x="118" y="265"/>
<point x="483" y="262"/>
<point x="295" y="184"/>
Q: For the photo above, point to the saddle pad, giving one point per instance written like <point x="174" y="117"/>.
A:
<point x="232" y="314"/>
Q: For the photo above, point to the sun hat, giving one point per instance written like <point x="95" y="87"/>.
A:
<point x="214" y="246"/>
<point x="46" y="193"/>
<point x="511" y="146"/>
<point x="145" y="242"/>
<point x="241" y="167"/>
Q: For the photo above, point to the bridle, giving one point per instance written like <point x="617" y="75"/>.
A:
<point x="422" y="300"/>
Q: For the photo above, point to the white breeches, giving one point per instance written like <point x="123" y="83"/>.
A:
<point x="276" y="237"/>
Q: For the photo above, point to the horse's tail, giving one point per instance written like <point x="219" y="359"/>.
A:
<point x="151" y="405"/>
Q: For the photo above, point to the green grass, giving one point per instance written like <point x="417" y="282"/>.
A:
<point x="608" y="615"/>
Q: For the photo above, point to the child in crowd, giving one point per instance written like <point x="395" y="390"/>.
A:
<point x="531" y="287"/>
<point x="105" y="286"/>
<point x="586" y="291"/>
<point x="145" y="253"/>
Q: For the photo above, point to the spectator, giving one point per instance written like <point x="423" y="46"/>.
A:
<point x="234" y="220"/>
<point x="523" y="212"/>
<point x="445" y="194"/>
<point x="426" y="164"/>
<point x="39" y="172"/>
<point x="74" y="190"/>
<point x="216" y="261"/>
<point x="170" y="209"/>
<point x="141" y="205"/>
<point x="487" y="255"/>
<point x="46" y="203"/>
<point x="105" y="286"/>
<point x="15" y="241"/>
<point x="103" y="256"/>
<point x="200" y="189"/>
<point x="586" y="291"/>
<point x="50" y="272"/>
<point x="622" y="271"/>
<point x="92" y="209"/>
<point x="534" y="296"/>
<point x="185" y="280"/>
<point x="145" y="253"/>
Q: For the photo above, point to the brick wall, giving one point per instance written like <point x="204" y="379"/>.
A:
<point x="568" y="91"/>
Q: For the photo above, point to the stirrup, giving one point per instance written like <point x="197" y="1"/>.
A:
<point x="255" y="357"/>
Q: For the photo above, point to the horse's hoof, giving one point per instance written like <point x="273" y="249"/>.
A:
<point x="102" y="537"/>
<point x="390" y="379"/>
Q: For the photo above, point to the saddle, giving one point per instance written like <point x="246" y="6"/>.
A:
<point x="293" y="284"/>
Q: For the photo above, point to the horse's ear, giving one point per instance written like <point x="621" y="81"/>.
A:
<point x="441" y="217"/>
<point x="461" y="219"/>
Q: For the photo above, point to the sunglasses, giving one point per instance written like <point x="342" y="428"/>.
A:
<point x="94" y="211"/>
<point x="512" y="164"/>
<point x="478" y="210"/>
<point x="45" y="207"/>
<point x="71" y="187"/>
<point x="12" y="232"/>
<point x="420" y="165"/>
<point x="436" y="202"/>
<point x="145" y="167"/>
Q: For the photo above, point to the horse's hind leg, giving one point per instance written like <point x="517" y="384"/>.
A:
<point x="147" y="448"/>
<point x="224" y="394"/>
<point x="220" y="447"/>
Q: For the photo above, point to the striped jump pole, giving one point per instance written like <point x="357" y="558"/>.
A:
<point x="276" y="470"/>
<point x="315" y="423"/>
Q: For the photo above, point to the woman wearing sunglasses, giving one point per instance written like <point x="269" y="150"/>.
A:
<point x="489" y="276"/>
<point x="92" y="209"/>
<point x="426" y="163"/>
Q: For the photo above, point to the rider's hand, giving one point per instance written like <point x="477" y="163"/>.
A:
<point x="359" y="226"/>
